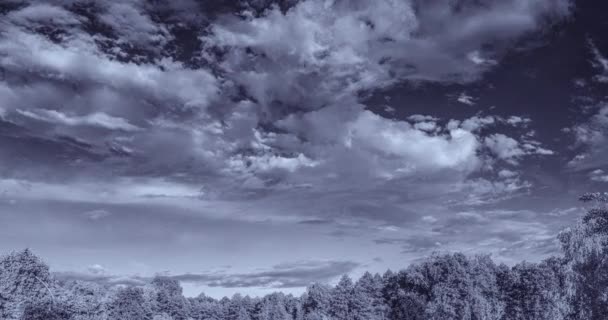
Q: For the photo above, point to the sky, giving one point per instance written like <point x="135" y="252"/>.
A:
<point x="256" y="146"/>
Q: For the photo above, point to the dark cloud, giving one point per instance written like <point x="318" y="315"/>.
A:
<point x="316" y="222"/>
<point x="105" y="280"/>
<point x="288" y="275"/>
<point x="418" y="244"/>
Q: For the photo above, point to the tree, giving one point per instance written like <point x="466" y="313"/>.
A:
<point x="586" y="257"/>
<point x="205" y="308"/>
<point x="485" y="293"/>
<point x="128" y="303"/>
<point x="168" y="298"/>
<point x="237" y="309"/>
<point x="162" y="316"/>
<point x="272" y="307"/>
<point x="316" y="302"/>
<point x="341" y="295"/>
<point x="406" y="293"/>
<point x="45" y="310"/>
<point x="368" y="302"/>
<point x="294" y="307"/>
<point x="447" y="277"/>
<point x="84" y="300"/>
<point x="24" y="280"/>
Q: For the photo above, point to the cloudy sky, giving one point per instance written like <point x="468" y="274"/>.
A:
<point x="253" y="146"/>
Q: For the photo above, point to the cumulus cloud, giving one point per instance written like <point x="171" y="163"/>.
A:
<point x="511" y="150"/>
<point x="261" y="111"/>
<point x="504" y="147"/>
<point x="335" y="48"/>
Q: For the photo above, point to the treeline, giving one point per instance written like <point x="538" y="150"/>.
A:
<point x="443" y="287"/>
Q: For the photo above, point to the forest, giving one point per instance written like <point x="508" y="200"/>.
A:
<point x="444" y="286"/>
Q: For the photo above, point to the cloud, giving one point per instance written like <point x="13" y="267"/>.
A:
<point x="270" y="112"/>
<point x="598" y="175"/>
<point x="591" y="137"/>
<point x="505" y="173"/>
<point x="466" y="99"/>
<point x="504" y="147"/>
<point x="316" y="222"/>
<point x="97" y="214"/>
<point x="43" y="13"/>
<point x="395" y="40"/>
<point x="476" y="57"/>
<point x="101" y="279"/>
<point x="134" y="24"/>
<point x="96" y="119"/>
<point x="599" y="62"/>
<point x="96" y="269"/>
<point x="511" y="150"/>
<point x="518" y="121"/>
<point x="429" y="219"/>
<point x="412" y="244"/>
<point x="287" y="275"/>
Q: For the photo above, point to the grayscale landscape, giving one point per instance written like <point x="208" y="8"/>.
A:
<point x="303" y="160"/>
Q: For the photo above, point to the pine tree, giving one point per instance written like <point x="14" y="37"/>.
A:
<point x="316" y="302"/>
<point x="341" y="296"/>
<point x="367" y="298"/>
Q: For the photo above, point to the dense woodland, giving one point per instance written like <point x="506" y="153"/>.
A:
<point x="443" y="287"/>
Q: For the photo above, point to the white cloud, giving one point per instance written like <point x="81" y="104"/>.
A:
<point x="426" y="126"/>
<point x="386" y="148"/>
<point x="511" y="150"/>
<point x="134" y="25"/>
<point x="600" y="62"/>
<point x="517" y="121"/>
<point x="97" y="119"/>
<point x="96" y="269"/>
<point x="599" y="175"/>
<point x="592" y="136"/>
<point x="476" y="57"/>
<point x="429" y="219"/>
<point x="504" y="173"/>
<point x="476" y="123"/>
<point x="466" y="99"/>
<point x="422" y="118"/>
<point x="336" y="48"/>
<point x="504" y="147"/>
<point x="43" y="13"/>
<point x="97" y="214"/>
